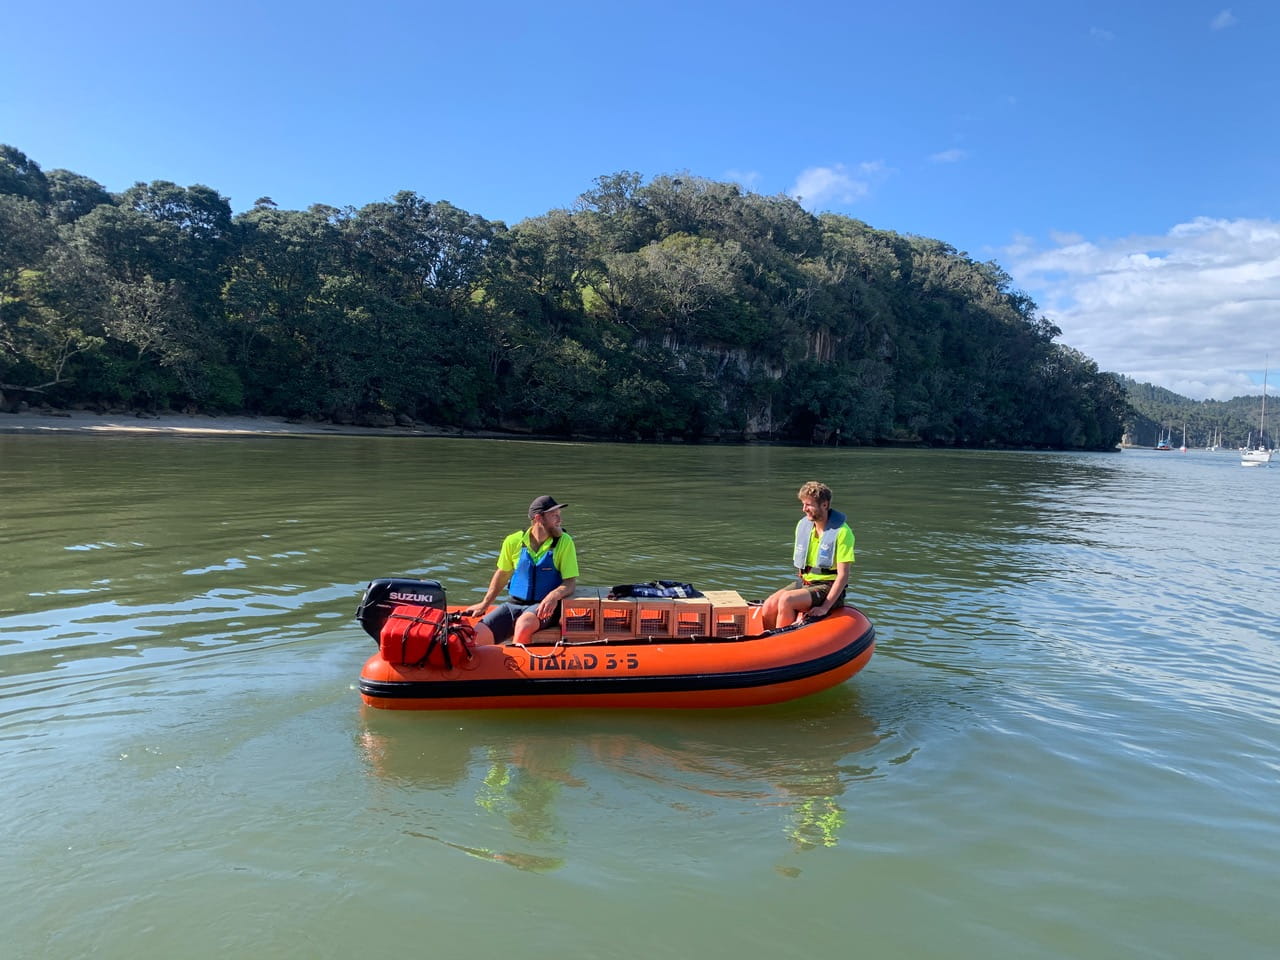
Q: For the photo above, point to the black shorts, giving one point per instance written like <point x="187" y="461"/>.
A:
<point x="818" y="590"/>
<point x="501" y="620"/>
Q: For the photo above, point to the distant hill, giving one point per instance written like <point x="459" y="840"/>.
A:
<point x="1153" y="409"/>
<point x="675" y="309"/>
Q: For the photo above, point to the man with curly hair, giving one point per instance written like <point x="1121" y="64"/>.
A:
<point x="822" y="556"/>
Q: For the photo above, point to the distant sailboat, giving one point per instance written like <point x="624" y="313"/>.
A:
<point x="1163" y="442"/>
<point x="1183" y="448"/>
<point x="1259" y="456"/>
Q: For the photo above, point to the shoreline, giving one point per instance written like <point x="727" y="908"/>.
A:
<point x="47" y="422"/>
<point x="181" y="424"/>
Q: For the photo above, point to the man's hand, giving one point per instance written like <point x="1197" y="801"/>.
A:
<point x="547" y="607"/>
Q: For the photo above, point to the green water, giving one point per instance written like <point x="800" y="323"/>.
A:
<point x="1066" y="745"/>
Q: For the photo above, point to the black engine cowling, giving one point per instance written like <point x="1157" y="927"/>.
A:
<point x="384" y="595"/>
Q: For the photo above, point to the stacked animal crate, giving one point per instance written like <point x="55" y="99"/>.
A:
<point x="591" y="614"/>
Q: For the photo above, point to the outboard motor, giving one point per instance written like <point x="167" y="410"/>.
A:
<point x="382" y="596"/>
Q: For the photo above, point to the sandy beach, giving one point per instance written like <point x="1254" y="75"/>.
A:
<point x="83" y="421"/>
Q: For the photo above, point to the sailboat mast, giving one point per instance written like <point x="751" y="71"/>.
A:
<point x="1262" y="422"/>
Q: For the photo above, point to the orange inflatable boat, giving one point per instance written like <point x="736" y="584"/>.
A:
<point x="709" y="651"/>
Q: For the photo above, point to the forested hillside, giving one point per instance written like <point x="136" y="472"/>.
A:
<point x="678" y="308"/>
<point x="1155" y="410"/>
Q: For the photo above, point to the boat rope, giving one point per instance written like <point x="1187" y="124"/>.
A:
<point x="544" y="656"/>
<point x="649" y="640"/>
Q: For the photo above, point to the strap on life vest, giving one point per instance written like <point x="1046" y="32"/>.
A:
<point x="826" y="544"/>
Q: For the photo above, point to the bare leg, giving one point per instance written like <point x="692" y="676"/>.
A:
<point x="527" y="626"/>
<point x="766" y="613"/>
<point x="773" y="607"/>
<point x="769" y="610"/>
<point x="792" y="603"/>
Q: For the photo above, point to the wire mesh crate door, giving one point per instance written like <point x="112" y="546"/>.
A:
<point x="580" y="614"/>
<point x="692" y="618"/>
<point x="654" y="618"/>
<point x="617" y="618"/>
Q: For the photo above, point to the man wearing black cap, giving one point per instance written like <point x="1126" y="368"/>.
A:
<point x="541" y="564"/>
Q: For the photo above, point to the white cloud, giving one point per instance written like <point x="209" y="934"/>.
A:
<point x="818" y="188"/>
<point x="1102" y="36"/>
<point x="743" y="178"/>
<point x="954" y="155"/>
<point x="1223" y="20"/>
<point x="1022" y="246"/>
<point x="1193" y="310"/>
<point x="1065" y="238"/>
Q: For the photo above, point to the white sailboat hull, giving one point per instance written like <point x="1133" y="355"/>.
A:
<point x="1259" y="456"/>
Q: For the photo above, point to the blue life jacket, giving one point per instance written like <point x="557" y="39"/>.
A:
<point x="534" y="579"/>
<point x="826" y="558"/>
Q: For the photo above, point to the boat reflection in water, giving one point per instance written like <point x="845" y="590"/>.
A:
<point x="529" y="774"/>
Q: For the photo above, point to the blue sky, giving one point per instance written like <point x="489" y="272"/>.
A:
<point x="1119" y="159"/>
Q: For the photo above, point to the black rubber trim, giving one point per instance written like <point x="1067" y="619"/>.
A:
<point x="525" y="686"/>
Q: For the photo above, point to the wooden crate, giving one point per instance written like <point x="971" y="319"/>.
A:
<point x="692" y="617"/>
<point x="618" y="617"/>
<point x="654" y="617"/>
<point x="580" y="614"/>
<point x="730" y="614"/>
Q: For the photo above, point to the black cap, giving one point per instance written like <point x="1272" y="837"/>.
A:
<point x="542" y="504"/>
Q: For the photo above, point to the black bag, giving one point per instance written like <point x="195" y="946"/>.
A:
<point x="659" y="589"/>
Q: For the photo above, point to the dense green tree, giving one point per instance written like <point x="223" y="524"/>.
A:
<point x="281" y="323"/>
<point x="25" y="341"/>
<point x="71" y="196"/>
<point x="679" y="307"/>
<point x="20" y="176"/>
